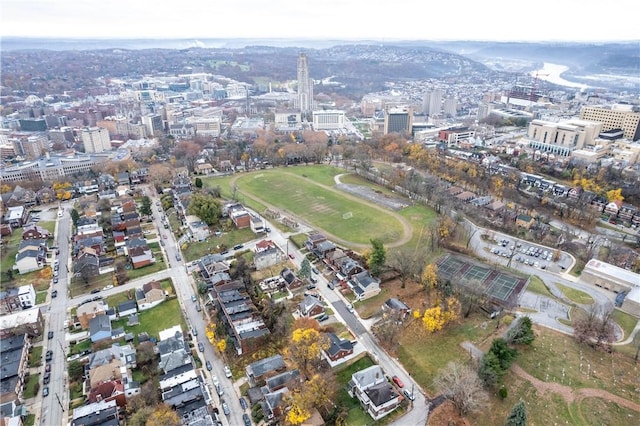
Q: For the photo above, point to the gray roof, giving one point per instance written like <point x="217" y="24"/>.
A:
<point x="281" y="379"/>
<point x="381" y="393"/>
<point x="396" y="304"/>
<point x="127" y="305"/>
<point x="101" y="323"/>
<point x="263" y="366"/>
<point x="338" y="344"/>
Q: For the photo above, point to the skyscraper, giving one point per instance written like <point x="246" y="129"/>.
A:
<point x="305" y="85"/>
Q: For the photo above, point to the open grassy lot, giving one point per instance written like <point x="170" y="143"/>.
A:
<point x="576" y="296"/>
<point x="195" y="250"/>
<point x="536" y="285"/>
<point x="625" y="321"/>
<point x="425" y="354"/>
<point x="420" y="217"/>
<point x="165" y="315"/>
<point x="350" y="219"/>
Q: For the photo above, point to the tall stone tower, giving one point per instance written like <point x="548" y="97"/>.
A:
<point x="305" y="85"/>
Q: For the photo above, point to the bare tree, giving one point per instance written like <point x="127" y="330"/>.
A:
<point x="460" y="384"/>
<point x="388" y="330"/>
<point x="408" y="263"/>
<point x="596" y="329"/>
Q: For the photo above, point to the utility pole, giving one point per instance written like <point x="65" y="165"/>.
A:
<point x="59" y="402"/>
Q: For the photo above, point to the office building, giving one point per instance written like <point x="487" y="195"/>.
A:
<point x="398" y="120"/>
<point x="153" y="123"/>
<point x="328" y="120"/>
<point x="305" y="85"/>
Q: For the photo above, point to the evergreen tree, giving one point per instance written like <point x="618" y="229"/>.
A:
<point x="503" y="352"/>
<point x="305" y="269"/>
<point x="378" y="256"/>
<point x="518" y="415"/>
<point x="521" y="333"/>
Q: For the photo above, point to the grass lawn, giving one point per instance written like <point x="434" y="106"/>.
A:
<point x="133" y="274"/>
<point x="80" y="346"/>
<point x="32" y="386"/>
<point x="41" y="297"/>
<point x="347" y="217"/>
<point x="576" y="296"/>
<point x="196" y="250"/>
<point x="536" y="285"/>
<point x="165" y="315"/>
<point x="35" y="356"/>
<point x="30" y="420"/>
<point x="420" y="217"/>
<point x="117" y="298"/>
<point x="625" y="321"/>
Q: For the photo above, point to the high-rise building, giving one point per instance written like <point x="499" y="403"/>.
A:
<point x="96" y="139"/>
<point x="305" y="85"/>
<point x="616" y="117"/>
<point x="153" y="123"/>
<point x="450" y="107"/>
<point x="432" y="102"/>
<point x="398" y="120"/>
<point x="31" y="147"/>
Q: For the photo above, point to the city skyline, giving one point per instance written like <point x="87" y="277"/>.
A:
<point x="492" y="20"/>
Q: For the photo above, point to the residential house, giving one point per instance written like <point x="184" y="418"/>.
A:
<point x="267" y="254"/>
<point x="203" y="168"/>
<point x="99" y="328"/>
<point x="139" y="253"/>
<point x="87" y="264"/>
<point x="466" y="196"/>
<point x="323" y="249"/>
<point x="100" y="413"/>
<point x="212" y="264"/>
<point x="494" y="208"/>
<point x="396" y="307"/>
<point x="290" y="378"/>
<point x="599" y="203"/>
<point x="349" y="267"/>
<point x="5" y="230"/>
<point x="127" y="308"/>
<point x="258" y="371"/>
<point x="198" y="230"/>
<point x="150" y="295"/>
<point x="94" y="241"/>
<point x="31" y="256"/>
<point x="238" y="215"/>
<point x="339" y="348"/>
<point x="525" y="221"/>
<point x="257" y="224"/>
<point x="240" y="317"/>
<point x="376" y="395"/>
<point x="108" y="390"/>
<point x="33" y="231"/>
<point x="14" y="353"/>
<point x="126" y="354"/>
<point x="30" y="322"/>
<point x="335" y="258"/>
<point x="88" y="311"/>
<point x="314" y="239"/>
<point x="291" y="279"/>
<point x="311" y="307"/>
<point x="364" y="285"/>
<point x="16" y="216"/>
<point x="627" y="212"/>
<point x="613" y="207"/>
<point x="23" y="297"/>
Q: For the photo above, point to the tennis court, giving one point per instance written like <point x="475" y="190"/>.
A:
<point x="502" y="288"/>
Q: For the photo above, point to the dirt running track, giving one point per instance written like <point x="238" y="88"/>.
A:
<point x="406" y="226"/>
<point x="573" y="395"/>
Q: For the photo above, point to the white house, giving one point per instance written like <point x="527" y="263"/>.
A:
<point x="376" y="395"/>
<point x="27" y="296"/>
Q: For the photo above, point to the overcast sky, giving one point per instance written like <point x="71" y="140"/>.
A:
<point x="567" y="20"/>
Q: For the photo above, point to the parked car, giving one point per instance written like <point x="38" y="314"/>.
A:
<point x="315" y="270"/>
<point x="200" y="347"/>
<point x="323" y="317"/>
<point x="408" y="394"/>
<point x="55" y="280"/>
<point x="193" y="298"/>
<point x="45" y="391"/>
<point x="291" y="256"/>
<point x="208" y="365"/>
<point x="46" y="378"/>
<point x="238" y="246"/>
<point x="194" y="331"/>
<point x="95" y="290"/>
<point x="50" y="335"/>
<point x="54" y="293"/>
<point x="350" y="307"/>
<point x="49" y="355"/>
<point x="47" y="367"/>
<point x="397" y="381"/>
<point x="246" y="419"/>
<point x="243" y="403"/>
<point x="227" y="371"/>
<point x="225" y="409"/>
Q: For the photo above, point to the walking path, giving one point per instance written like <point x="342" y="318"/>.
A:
<point x="570" y="395"/>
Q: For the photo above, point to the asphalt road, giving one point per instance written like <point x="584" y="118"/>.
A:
<point x="54" y="406"/>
